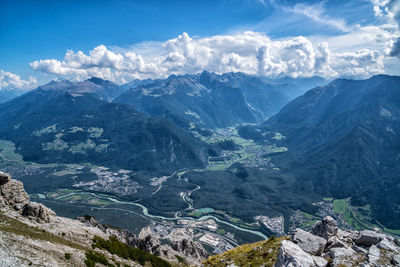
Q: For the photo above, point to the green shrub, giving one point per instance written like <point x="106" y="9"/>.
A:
<point x="67" y="256"/>
<point x="114" y="246"/>
<point x="329" y="260"/>
<point x="179" y="258"/>
<point x="93" y="257"/>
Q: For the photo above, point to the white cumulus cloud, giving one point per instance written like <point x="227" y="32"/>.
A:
<point x="249" y="52"/>
<point x="10" y="80"/>
<point x="391" y="10"/>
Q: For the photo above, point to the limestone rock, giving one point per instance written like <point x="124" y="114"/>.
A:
<point x="334" y="242"/>
<point x="359" y="249"/>
<point x="348" y="236"/>
<point x="13" y="193"/>
<point x="308" y="242"/>
<point x="341" y="252"/>
<point x="345" y="247"/>
<point x="326" y="228"/>
<point x="387" y="245"/>
<point x="320" y="261"/>
<point x="291" y="255"/>
<point x="148" y="243"/>
<point x="373" y="254"/>
<point x="396" y="260"/>
<point x="38" y="211"/>
<point x="189" y="248"/>
<point x="368" y="238"/>
<point x="91" y="221"/>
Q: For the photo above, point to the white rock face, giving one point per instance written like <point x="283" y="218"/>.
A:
<point x="396" y="260"/>
<point x="373" y="254"/>
<point x="308" y="242"/>
<point x="13" y="193"/>
<point x="368" y="238"/>
<point x="341" y="252"/>
<point x="6" y="257"/>
<point x="291" y="255"/>
<point x="388" y="245"/>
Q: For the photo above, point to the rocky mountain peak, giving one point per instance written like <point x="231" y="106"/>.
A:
<point x="97" y="80"/>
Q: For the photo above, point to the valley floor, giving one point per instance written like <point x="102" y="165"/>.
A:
<point x="222" y="219"/>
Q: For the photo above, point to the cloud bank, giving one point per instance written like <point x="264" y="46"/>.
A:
<point x="10" y="80"/>
<point x="249" y="52"/>
<point x="391" y="10"/>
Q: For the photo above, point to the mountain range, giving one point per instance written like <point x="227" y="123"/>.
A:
<point x="206" y="100"/>
<point x="343" y="141"/>
<point x="339" y="140"/>
<point x="69" y="122"/>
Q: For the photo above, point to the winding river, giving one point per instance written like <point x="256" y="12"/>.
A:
<point x="176" y="217"/>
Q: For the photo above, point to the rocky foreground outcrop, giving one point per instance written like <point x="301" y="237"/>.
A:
<point x="12" y="194"/>
<point x="193" y="252"/>
<point x="32" y="234"/>
<point x="327" y="245"/>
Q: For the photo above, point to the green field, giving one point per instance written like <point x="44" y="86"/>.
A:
<point x="47" y="130"/>
<point x="248" y="153"/>
<point x="340" y="206"/>
<point x="359" y="217"/>
<point x="84" y="198"/>
<point x="7" y="152"/>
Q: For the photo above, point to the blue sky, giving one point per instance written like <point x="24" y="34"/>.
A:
<point x="140" y="39"/>
<point x="30" y="31"/>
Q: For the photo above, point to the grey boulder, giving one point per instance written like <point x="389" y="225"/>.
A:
<point x="308" y="242"/>
<point x="291" y="255"/>
<point x="343" y="252"/>
<point x="325" y="228"/>
<point x="38" y="211"/>
<point x="387" y="245"/>
<point x="373" y="254"/>
<point x="368" y="238"/>
<point x="334" y="242"/>
<point x="396" y="260"/>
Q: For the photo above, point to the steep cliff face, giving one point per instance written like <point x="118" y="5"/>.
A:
<point x="32" y="234"/>
<point x="12" y="194"/>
